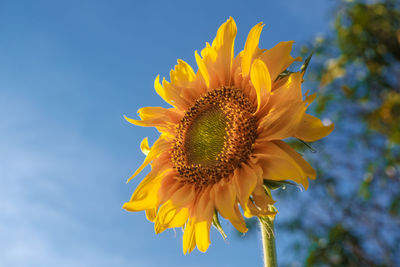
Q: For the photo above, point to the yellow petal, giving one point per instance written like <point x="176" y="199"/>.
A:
<point x="281" y="123"/>
<point x="170" y="216"/>
<point x="203" y="235"/>
<point x="304" y="165"/>
<point x="203" y="213"/>
<point x="174" y="93"/>
<point x="169" y="186"/>
<point x="207" y="66"/>
<point x="261" y="81"/>
<point x="184" y="195"/>
<point x="170" y="115"/>
<point x="169" y="93"/>
<point x="189" y="238"/>
<point x="279" y="162"/>
<point x="278" y="58"/>
<point x="312" y="129"/>
<point x="151" y="214"/>
<point x="245" y="179"/>
<point x="202" y="69"/>
<point x="250" y="48"/>
<point x="146" y="194"/>
<point x="180" y="218"/>
<point x="261" y="199"/>
<point x="290" y="91"/>
<point x="183" y="74"/>
<point x="204" y="208"/>
<point x="144" y="146"/>
<point x="159" y="146"/>
<point x="161" y="91"/>
<point x="225" y="202"/>
<point x="164" y="119"/>
<point x="223" y="44"/>
<point x="253" y="210"/>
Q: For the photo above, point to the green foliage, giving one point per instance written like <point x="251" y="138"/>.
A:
<point x="339" y="248"/>
<point x="351" y="215"/>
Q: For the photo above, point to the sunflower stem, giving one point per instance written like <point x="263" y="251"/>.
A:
<point x="268" y="240"/>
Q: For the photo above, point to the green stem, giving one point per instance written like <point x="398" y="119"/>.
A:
<point x="268" y="240"/>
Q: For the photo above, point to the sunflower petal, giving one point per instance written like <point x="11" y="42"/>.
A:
<point x="159" y="146"/>
<point x="245" y="181"/>
<point x="203" y="235"/>
<point x="253" y="210"/>
<point x="261" y="81"/>
<point x="279" y="162"/>
<point x="290" y="91"/>
<point x="189" y="238"/>
<point x="261" y="199"/>
<point x="162" y="118"/>
<point x="182" y="75"/>
<point x="304" y="165"/>
<point x="225" y="202"/>
<point x="145" y="196"/>
<point x="281" y="123"/>
<point x="312" y="129"/>
<point x="170" y="216"/>
<point x="223" y="44"/>
<point x="202" y="69"/>
<point x="169" y="93"/>
<point x="144" y="146"/>
<point x="278" y="58"/>
<point x="183" y="195"/>
<point x="151" y="214"/>
<point x="204" y="214"/>
<point x="250" y="48"/>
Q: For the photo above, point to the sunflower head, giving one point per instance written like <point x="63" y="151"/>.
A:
<point x="221" y="141"/>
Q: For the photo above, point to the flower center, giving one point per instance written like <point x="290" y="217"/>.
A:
<point x="214" y="137"/>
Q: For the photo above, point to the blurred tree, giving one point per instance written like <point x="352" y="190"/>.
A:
<point x="351" y="214"/>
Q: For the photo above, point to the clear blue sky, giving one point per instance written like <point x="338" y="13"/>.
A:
<point x="69" y="70"/>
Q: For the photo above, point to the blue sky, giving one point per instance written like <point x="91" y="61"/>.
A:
<point x="69" y="70"/>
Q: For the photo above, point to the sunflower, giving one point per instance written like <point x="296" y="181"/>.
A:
<point x="222" y="138"/>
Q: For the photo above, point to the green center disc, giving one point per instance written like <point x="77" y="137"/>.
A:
<point x="205" y="137"/>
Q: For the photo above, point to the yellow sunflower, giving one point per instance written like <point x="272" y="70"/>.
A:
<point x="223" y="137"/>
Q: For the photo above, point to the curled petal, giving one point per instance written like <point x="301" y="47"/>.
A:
<point x="170" y="216"/>
<point x="144" y="146"/>
<point x="312" y="129"/>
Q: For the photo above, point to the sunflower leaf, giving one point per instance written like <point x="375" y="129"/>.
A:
<point x="283" y="74"/>
<point x="308" y="146"/>
<point x="272" y="185"/>
<point x="304" y="67"/>
<point x="217" y="225"/>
